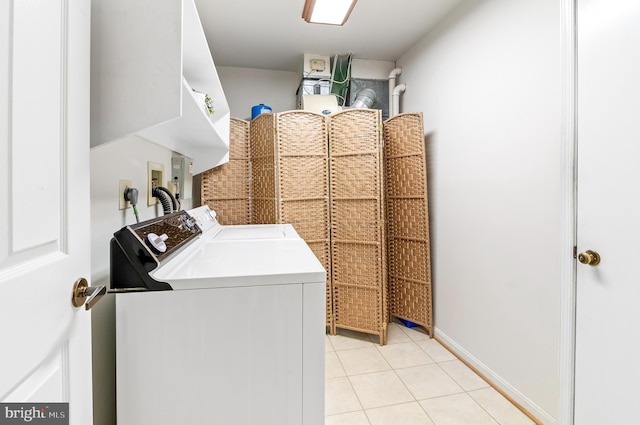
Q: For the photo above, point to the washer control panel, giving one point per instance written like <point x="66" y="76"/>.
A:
<point x="175" y="231"/>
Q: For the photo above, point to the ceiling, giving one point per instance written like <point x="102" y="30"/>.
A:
<point x="271" y="34"/>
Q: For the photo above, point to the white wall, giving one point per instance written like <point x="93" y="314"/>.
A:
<point x="488" y="80"/>
<point x="122" y="159"/>
<point x="370" y="69"/>
<point x="246" y="87"/>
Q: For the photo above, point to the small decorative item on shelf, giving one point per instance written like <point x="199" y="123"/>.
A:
<point x="206" y="101"/>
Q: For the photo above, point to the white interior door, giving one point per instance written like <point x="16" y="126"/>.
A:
<point x="608" y="295"/>
<point x="44" y="213"/>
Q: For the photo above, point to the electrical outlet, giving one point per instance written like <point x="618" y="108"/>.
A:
<point x="122" y="185"/>
<point x="155" y="177"/>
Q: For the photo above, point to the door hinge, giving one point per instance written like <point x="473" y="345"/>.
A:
<point x="575" y="252"/>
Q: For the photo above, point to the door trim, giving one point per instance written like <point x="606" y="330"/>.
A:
<point x="568" y="15"/>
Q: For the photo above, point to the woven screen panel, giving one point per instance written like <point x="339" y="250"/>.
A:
<point x="263" y="178"/>
<point x="262" y="136"/>
<point x="226" y="189"/>
<point x="303" y="184"/>
<point x="308" y="217"/>
<point x="231" y="211"/>
<point x="355" y="176"/>
<point x="354" y="131"/>
<point x="410" y="218"/>
<point x="406" y="180"/>
<point x="302" y="133"/>
<point x="227" y="181"/>
<point x="264" y="195"/>
<point x="357" y="231"/>
<point x="303" y="177"/>
<point x="409" y="258"/>
<point x="264" y="211"/>
<point x="239" y="139"/>
<point x="355" y="220"/>
<point x="358" y="308"/>
<point x="356" y="264"/>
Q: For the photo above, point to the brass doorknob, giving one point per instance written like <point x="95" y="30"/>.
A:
<point x="85" y="294"/>
<point x="590" y="258"/>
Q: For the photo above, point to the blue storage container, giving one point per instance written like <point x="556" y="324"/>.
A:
<point x="259" y="109"/>
<point x="408" y="324"/>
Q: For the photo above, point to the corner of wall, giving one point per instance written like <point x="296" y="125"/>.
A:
<point x="121" y="159"/>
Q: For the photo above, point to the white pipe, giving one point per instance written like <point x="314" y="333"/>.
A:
<point x="400" y="88"/>
<point x="392" y="84"/>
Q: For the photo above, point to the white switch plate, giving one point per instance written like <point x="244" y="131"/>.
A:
<point x="122" y="185"/>
<point x="155" y="172"/>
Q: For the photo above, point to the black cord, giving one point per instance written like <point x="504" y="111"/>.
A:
<point x="166" y="206"/>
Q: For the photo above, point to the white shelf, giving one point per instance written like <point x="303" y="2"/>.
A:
<point x="146" y="56"/>
<point x="203" y="138"/>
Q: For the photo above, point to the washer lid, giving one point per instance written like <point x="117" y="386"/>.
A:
<point x="225" y="263"/>
<point x="256" y="231"/>
<point x="207" y="221"/>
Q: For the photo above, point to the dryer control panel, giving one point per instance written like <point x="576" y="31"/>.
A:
<point x="140" y="248"/>
<point x="180" y="228"/>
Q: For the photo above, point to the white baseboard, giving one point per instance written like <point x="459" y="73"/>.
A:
<point x="495" y="380"/>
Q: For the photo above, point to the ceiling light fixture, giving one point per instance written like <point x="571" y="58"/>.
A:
<point x="331" y="12"/>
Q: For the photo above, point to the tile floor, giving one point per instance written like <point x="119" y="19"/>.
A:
<point x="412" y="380"/>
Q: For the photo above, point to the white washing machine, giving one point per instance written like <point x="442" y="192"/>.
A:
<point x="217" y="324"/>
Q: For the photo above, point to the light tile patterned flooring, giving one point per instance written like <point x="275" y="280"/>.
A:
<point x="412" y="380"/>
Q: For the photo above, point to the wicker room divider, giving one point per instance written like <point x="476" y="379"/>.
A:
<point x="408" y="220"/>
<point x="227" y="188"/>
<point x="357" y="222"/>
<point x="361" y="207"/>
<point x="291" y="182"/>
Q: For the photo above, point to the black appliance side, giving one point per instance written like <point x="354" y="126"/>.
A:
<point x="131" y="263"/>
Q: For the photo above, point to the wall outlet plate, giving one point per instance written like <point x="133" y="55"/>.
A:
<point x="155" y="177"/>
<point x="122" y="185"/>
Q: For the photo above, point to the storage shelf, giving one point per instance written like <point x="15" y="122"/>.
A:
<point x="202" y="137"/>
<point x="143" y="68"/>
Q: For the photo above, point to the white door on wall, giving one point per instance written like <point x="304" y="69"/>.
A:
<point x="608" y="294"/>
<point x="45" y="352"/>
